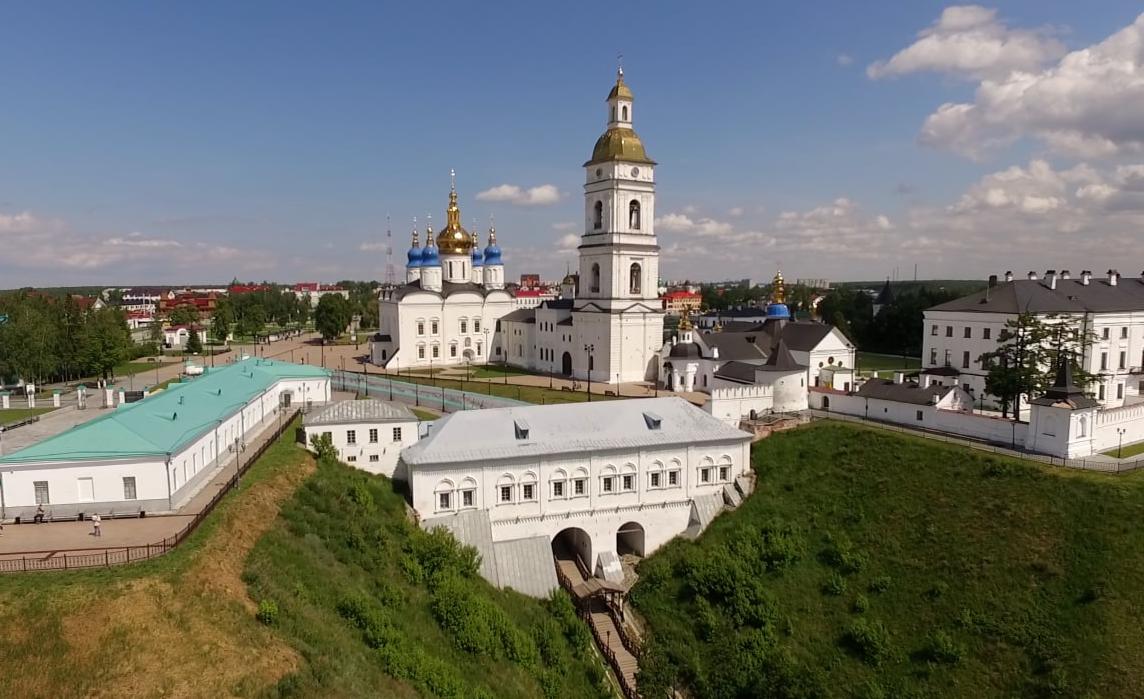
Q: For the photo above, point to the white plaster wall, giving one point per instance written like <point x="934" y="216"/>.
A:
<point x="399" y="320"/>
<point x="385" y="448"/>
<point x="63" y="482"/>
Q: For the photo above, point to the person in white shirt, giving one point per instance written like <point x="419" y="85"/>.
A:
<point x="95" y="525"/>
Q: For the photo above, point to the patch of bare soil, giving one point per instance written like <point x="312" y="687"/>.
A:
<point x="193" y="635"/>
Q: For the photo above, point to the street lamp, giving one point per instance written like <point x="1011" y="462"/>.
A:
<point x="589" y="349"/>
<point x="1120" y="445"/>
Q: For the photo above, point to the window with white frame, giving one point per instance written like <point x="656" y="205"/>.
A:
<point x="433" y="327"/>
<point x="654" y="479"/>
<point x="351" y="458"/>
<point x="506" y="493"/>
<point x="609" y="484"/>
<point x="628" y="482"/>
<point x="351" y="436"/>
<point x="580" y="483"/>
<point x="397" y="434"/>
<point x="724" y="473"/>
<point x="705" y="475"/>
<point x="129" y="492"/>
<point x="464" y="326"/>
<point x="673" y="478"/>
<point x="476" y="325"/>
<point x="374" y="458"/>
<point x="420" y="327"/>
<point x="528" y="491"/>
<point x="468" y="498"/>
<point x="557" y="489"/>
<point x="436" y="351"/>
<point x="373" y="435"/>
<point x="445" y="501"/>
<point x="421" y="351"/>
<point x="41" y="490"/>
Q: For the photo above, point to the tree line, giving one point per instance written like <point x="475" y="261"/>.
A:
<point x="896" y="329"/>
<point x="45" y="338"/>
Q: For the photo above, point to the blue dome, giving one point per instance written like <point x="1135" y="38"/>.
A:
<point x="413" y="257"/>
<point x="429" y="257"/>
<point x="476" y="256"/>
<point x="493" y="254"/>
<point x="778" y="311"/>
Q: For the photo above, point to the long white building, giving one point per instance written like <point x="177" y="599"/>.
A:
<point x="605" y="478"/>
<point x="153" y="455"/>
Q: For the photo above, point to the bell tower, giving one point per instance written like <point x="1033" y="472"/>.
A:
<point x="617" y="303"/>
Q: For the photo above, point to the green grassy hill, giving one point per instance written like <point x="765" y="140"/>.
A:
<point x="874" y="565"/>
<point x="378" y="607"/>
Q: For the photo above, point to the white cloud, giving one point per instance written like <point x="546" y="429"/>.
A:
<point x="372" y="247"/>
<point x="1085" y="105"/>
<point x="735" y="212"/>
<point x="969" y="41"/>
<point x="681" y="223"/>
<point x="565" y="226"/>
<point x="541" y="195"/>
<point x="23" y="222"/>
<point x="568" y="241"/>
<point x="844" y="59"/>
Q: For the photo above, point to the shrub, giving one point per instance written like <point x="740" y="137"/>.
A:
<point x="941" y="648"/>
<point x="869" y="640"/>
<point x="323" y="445"/>
<point x="842" y="556"/>
<point x="936" y="591"/>
<point x="861" y="604"/>
<point x="835" y="585"/>
<point x="879" y="584"/>
<point x="268" y="612"/>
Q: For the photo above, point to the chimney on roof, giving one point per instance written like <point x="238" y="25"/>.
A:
<point x="926" y="380"/>
<point x="1113" y="277"/>
<point x="1008" y="275"/>
<point x="714" y="352"/>
<point x="1051" y="278"/>
<point x="1032" y="276"/>
<point x="1085" y="277"/>
<point x="899" y="377"/>
<point x="1065" y="274"/>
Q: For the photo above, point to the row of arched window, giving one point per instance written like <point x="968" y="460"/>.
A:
<point x="634" y="215"/>
<point x="635" y="278"/>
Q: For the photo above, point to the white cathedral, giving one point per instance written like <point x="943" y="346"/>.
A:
<point x="608" y="324"/>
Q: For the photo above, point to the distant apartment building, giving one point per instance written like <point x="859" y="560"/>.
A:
<point x="676" y="302"/>
<point x="315" y="291"/>
<point x="530" y="281"/>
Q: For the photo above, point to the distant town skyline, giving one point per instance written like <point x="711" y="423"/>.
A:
<point x="145" y="145"/>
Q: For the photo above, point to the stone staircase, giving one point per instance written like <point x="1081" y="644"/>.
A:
<point x="623" y="662"/>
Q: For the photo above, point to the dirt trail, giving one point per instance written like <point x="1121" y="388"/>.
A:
<point x="185" y="635"/>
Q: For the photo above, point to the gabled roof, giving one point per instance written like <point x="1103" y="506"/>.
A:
<point x="520" y="315"/>
<point x="884" y="389"/>
<point x="739" y="372"/>
<point x="532" y="430"/>
<point x="747" y="345"/>
<point x="164" y="423"/>
<point x="781" y="360"/>
<point x="1070" y="296"/>
<point x="349" y="411"/>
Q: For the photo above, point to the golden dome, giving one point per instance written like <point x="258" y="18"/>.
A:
<point x="620" y="90"/>
<point x="453" y="239"/>
<point x="619" y="144"/>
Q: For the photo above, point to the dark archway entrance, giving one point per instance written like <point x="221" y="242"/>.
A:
<point x="668" y="376"/>
<point x="571" y="544"/>
<point x="826" y="402"/>
<point x="566" y="364"/>
<point x="630" y="539"/>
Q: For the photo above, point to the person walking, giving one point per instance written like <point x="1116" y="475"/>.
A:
<point x="95" y="521"/>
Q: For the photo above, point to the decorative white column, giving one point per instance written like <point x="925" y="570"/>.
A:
<point x="5" y="400"/>
<point x="56" y="398"/>
<point x="122" y="397"/>
<point x="108" y="397"/>
<point x="32" y="399"/>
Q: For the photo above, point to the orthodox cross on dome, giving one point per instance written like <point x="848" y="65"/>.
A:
<point x="620" y="65"/>
<point x="452" y="180"/>
<point x="778" y="288"/>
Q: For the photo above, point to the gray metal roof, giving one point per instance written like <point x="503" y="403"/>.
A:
<point x="747" y="345"/>
<point x="520" y="315"/>
<point x="535" y="430"/>
<point x="737" y="371"/>
<point x="473" y="528"/>
<point x="1069" y="296"/>
<point x="884" y="389"/>
<point x="526" y="565"/>
<point x="782" y="360"/>
<point x="350" y="411"/>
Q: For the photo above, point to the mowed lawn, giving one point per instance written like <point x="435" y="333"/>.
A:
<point x="179" y="625"/>
<point x="16" y="414"/>
<point x="870" y="564"/>
<point x="871" y="361"/>
<point x="528" y="394"/>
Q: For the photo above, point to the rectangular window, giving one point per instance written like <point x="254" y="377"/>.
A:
<point x="673" y="478"/>
<point x="444" y="500"/>
<point x="1100" y="392"/>
<point x="464" y="327"/>
<point x="351" y="458"/>
<point x="373" y="435"/>
<point x="421" y="352"/>
<point x="609" y="485"/>
<point x="436" y="351"/>
<point x="468" y="497"/>
<point x="968" y="333"/>
<point x="965" y="359"/>
<point x="421" y="328"/>
<point x="947" y="357"/>
<point x="949" y="331"/>
<point x="655" y="480"/>
<point x="452" y="350"/>
<point x="476" y="325"/>
<point x="629" y="483"/>
<point x="506" y="493"/>
<point x="374" y="458"/>
<point x="580" y="486"/>
<point x="1124" y="332"/>
<point x="986" y="333"/>
<point x="328" y="435"/>
<point x="41" y="492"/>
<point x="558" y="489"/>
<point x="529" y="491"/>
<point x="1104" y="360"/>
<point x="920" y="415"/>
<point x="704" y="475"/>
<point x="351" y="437"/>
<point x="933" y="330"/>
<point x="1104" y="333"/>
<point x="1119" y="390"/>
<point x="129" y="492"/>
<point x="397" y="434"/>
<point x="433" y="327"/>
<point x="933" y="356"/>
<point x="724" y="473"/>
<point x="1123" y="360"/>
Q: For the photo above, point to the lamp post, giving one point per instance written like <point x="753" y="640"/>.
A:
<point x="589" y="349"/>
<point x="1120" y="444"/>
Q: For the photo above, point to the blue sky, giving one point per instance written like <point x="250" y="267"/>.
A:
<point x="162" y="143"/>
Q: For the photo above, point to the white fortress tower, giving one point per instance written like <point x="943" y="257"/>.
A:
<point x="617" y="313"/>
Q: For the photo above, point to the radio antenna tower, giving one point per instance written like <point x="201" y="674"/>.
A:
<point x="390" y="272"/>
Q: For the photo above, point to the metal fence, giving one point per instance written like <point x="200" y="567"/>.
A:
<point x="992" y="448"/>
<point x="71" y="559"/>
<point x="446" y="400"/>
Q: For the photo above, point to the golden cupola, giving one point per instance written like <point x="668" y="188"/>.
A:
<point x="453" y="239"/>
<point x="620" y="141"/>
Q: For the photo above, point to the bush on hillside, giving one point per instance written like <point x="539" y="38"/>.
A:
<point x="869" y="640"/>
<point x="268" y="612"/>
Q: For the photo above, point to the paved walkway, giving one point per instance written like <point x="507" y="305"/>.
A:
<point x="53" y="537"/>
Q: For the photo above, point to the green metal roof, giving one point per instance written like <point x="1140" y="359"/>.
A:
<point x="165" y="422"/>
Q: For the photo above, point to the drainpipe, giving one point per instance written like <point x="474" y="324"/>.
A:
<point x="170" y="500"/>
